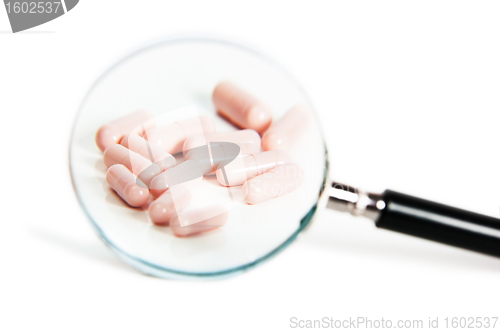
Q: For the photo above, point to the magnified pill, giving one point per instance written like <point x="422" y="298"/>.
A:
<point x="241" y="108"/>
<point x="168" y="205"/>
<point x="127" y="186"/>
<point x="285" y="132"/>
<point x="242" y="169"/>
<point x="113" y="132"/>
<point x="148" y="150"/>
<point x="141" y="167"/>
<point x="276" y="182"/>
<point x="248" y="149"/>
<point x="199" y="221"/>
<point x="171" y="137"/>
<point x="217" y="154"/>
<point x="238" y="136"/>
<point x="187" y="173"/>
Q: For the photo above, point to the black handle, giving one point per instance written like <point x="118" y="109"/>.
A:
<point x="441" y="223"/>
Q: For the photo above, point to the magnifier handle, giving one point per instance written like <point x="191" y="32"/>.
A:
<point x="439" y="222"/>
<point x="422" y="218"/>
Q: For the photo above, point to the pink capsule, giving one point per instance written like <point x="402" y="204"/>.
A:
<point x="141" y="167"/>
<point x="241" y="108"/>
<point x="286" y="131"/>
<point x="187" y="173"/>
<point x="242" y="169"/>
<point x="132" y="190"/>
<point x="149" y="151"/>
<point x="211" y="157"/>
<point x="247" y="149"/>
<point x="247" y="136"/>
<point x="199" y="221"/>
<point x="113" y="132"/>
<point x="168" y="204"/>
<point x="172" y="136"/>
<point x="276" y="182"/>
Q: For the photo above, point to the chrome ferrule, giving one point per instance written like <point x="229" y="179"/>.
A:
<point x="357" y="202"/>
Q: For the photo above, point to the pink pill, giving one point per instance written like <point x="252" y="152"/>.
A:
<point x="242" y="169"/>
<point x="211" y="157"/>
<point x="149" y="151"/>
<point x="113" y="132"/>
<point x="286" y="131"/>
<point x="248" y="149"/>
<point x="249" y="136"/>
<point x="187" y="173"/>
<point x="241" y="108"/>
<point x="132" y="190"/>
<point x="200" y="221"/>
<point x="171" y="137"/>
<point x="276" y="182"/>
<point x="168" y="205"/>
<point x="141" y="167"/>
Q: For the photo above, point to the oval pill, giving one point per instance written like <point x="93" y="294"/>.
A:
<point x="248" y="136"/>
<point x="148" y="150"/>
<point x="127" y="186"/>
<point x="276" y="182"/>
<point x="113" y="132"/>
<point x="240" y="107"/>
<point x="141" y="167"/>
<point x="199" y="221"/>
<point x="187" y="173"/>
<point x="171" y="137"/>
<point x="211" y="157"/>
<point x="285" y="132"/>
<point x="248" y="149"/>
<point x="242" y="169"/>
<point x="168" y="205"/>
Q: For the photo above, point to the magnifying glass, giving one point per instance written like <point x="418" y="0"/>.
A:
<point x="174" y="79"/>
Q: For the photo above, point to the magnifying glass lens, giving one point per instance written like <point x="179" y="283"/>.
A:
<point x="214" y="213"/>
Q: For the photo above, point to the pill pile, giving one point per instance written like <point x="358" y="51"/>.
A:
<point x="141" y="166"/>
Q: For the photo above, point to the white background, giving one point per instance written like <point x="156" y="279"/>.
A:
<point x="409" y="97"/>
